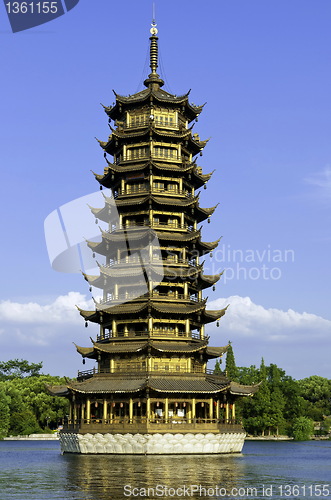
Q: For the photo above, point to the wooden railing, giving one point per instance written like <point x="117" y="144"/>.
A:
<point x="143" y="372"/>
<point x="162" y="225"/>
<point x="146" y="334"/>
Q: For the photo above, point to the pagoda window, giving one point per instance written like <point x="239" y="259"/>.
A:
<point x="172" y="187"/>
<point x="135" y="187"/>
<point x="137" y="120"/>
<point x="165" y="119"/>
<point x="165" y="152"/>
<point x="136" y="153"/>
<point x="158" y="185"/>
<point x="172" y="221"/>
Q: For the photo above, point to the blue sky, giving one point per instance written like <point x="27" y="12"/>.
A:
<point x="264" y="69"/>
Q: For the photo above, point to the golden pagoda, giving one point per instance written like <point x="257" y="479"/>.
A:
<point x="151" y="391"/>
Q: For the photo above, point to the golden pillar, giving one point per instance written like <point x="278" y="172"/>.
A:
<point x="105" y="408"/>
<point x="148" y="408"/>
<point x="217" y="410"/>
<point x="88" y="410"/>
<point x="131" y="410"/>
<point x="166" y="410"/>
<point x="211" y="408"/>
<point x="193" y="408"/>
<point x="233" y="414"/>
<point x="227" y="413"/>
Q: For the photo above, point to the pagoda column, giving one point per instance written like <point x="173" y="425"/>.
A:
<point x="202" y="332"/>
<point x="187" y="327"/>
<point x="166" y="410"/>
<point x="105" y="407"/>
<point x="218" y="410"/>
<point x="114" y="328"/>
<point x="112" y="365"/>
<point x="82" y="414"/>
<point x="226" y="413"/>
<point x="70" y="411"/>
<point x="148" y="408"/>
<point x="88" y="410"/>
<point x="233" y="413"/>
<point x="193" y="408"/>
<point x="131" y="410"/>
<point x="211" y="408"/>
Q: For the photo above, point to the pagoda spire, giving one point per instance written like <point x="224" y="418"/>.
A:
<point x="154" y="81"/>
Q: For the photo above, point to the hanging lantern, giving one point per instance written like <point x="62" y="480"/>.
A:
<point x="202" y="404"/>
<point x="218" y="324"/>
<point x="139" y="404"/>
<point x="113" y="405"/>
<point x="157" y="404"/>
<point x="208" y="220"/>
<point x="205" y="186"/>
<point x="214" y="288"/>
<point x="121" y="405"/>
<point x="90" y="289"/>
<point x="176" y="404"/>
<point x="211" y="254"/>
<point x="86" y="324"/>
<point x="200" y="153"/>
<point x="184" y="405"/>
<point x="96" y="221"/>
<point x="83" y="361"/>
<point x="93" y="255"/>
<point x="100" y="188"/>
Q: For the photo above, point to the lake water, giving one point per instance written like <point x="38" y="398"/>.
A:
<point x="35" y="470"/>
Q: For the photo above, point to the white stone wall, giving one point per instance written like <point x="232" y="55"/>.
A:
<point x="152" y="444"/>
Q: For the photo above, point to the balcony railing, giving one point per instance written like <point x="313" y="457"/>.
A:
<point x="155" y="295"/>
<point x="162" y="225"/>
<point x="142" y="372"/>
<point x="167" y="260"/>
<point x="146" y="334"/>
<point x="148" y="189"/>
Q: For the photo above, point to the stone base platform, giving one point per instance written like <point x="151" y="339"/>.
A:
<point x="152" y="444"/>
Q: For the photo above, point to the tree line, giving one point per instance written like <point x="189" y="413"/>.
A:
<point x="282" y="405"/>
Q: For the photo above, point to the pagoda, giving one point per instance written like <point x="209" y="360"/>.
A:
<point x="150" y="391"/>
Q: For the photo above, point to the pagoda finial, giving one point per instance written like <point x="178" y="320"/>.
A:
<point x="153" y="77"/>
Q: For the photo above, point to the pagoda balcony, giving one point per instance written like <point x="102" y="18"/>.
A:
<point x="166" y="156"/>
<point x="126" y="373"/>
<point x="147" y="189"/>
<point x="174" y="127"/>
<point x="131" y="296"/>
<point x="154" y="225"/>
<point x="145" y="334"/>
<point x="166" y="261"/>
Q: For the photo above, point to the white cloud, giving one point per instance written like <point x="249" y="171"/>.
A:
<point x="245" y="318"/>
<point x="322" y="184"/>
<point x="62" y="309"/>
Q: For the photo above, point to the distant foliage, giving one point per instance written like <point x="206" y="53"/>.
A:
<point x="230" y="364"/>
<point x="26" y="407"/>
<point x="302" y="429"/>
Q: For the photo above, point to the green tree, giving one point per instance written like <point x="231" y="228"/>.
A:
<point x="317" y="392"/>
<point x="302" y="429"/>
<point x="217" y="368"/>
<point x="277" y="400"/>
<point x="4" y="414"/>
<point x="18" y="368"/>
<point x="230" y="364"/>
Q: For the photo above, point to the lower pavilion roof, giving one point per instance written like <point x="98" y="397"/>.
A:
<point x="173" y="385"/>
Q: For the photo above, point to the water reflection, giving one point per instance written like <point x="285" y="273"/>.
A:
<point x="102" y="477"/>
